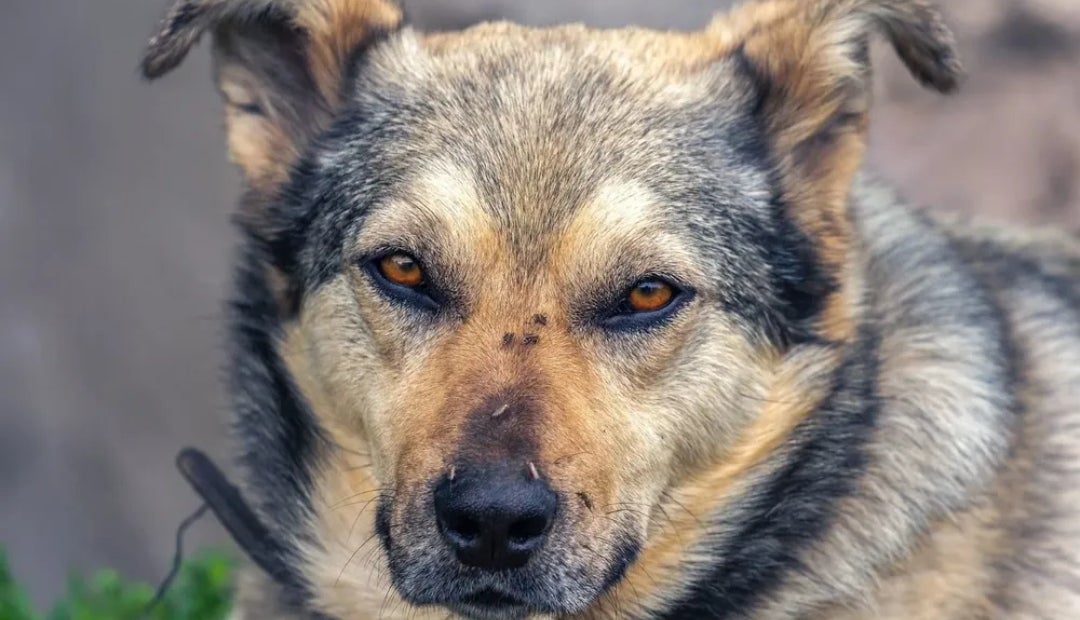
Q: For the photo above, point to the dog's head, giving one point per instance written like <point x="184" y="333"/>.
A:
<point x="540" y="278"/>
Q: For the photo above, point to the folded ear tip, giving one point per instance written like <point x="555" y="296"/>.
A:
<point x="950" y="69"/>
<point x="945" y="86"/>
<point x="944" y="74"/>
<point x="166" y="51"/>
<point x="155" y="63"/>
<point x="927" y="46"/>
<point x="179" y="31"/>
<point x="952" y="79"/>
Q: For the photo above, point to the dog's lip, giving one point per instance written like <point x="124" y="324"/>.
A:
<point x="489" y="604"/>
<point x="490" y="598"/>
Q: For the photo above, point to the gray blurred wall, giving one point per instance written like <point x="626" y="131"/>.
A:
<point x="115" y="242"/>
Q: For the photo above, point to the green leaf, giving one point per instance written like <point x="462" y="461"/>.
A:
<point x="14" y="602"/>
<point x="202" y="591"/>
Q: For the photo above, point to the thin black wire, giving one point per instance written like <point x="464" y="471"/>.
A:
<point x="178" y="557"/>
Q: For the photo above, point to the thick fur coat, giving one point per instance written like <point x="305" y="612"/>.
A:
<point x="845" y="407"/>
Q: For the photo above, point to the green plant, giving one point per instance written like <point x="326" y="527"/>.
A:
<point x="201" y="591"/>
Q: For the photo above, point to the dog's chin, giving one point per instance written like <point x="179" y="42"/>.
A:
<point x="554" y="587"/>
<point x="490" y="604"/>
<point x="505" y="597"/>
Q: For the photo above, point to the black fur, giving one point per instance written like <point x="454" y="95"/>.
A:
<point x="278" y="435"/>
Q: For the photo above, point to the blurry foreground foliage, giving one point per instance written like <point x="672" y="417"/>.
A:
<point x="201" y="591"/>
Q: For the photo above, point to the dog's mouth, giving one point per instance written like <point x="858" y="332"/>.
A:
<point x="490" y="603"/>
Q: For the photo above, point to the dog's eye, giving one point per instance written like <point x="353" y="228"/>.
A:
<point x="650" y="296"/>
<point x="650" y="301"/>
<point x="401" y="277"/>
<point x="401" y="269"/>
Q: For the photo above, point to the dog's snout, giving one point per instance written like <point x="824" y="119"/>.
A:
<point x="494" y="518"/>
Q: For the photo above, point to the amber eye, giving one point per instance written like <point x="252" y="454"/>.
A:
<point x="650" y="296"/>
<point x="401" y="269"/>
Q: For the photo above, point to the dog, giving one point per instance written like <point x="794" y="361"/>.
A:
<point x="593" y="324"/>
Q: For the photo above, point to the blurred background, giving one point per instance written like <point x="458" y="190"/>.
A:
<point x="115" y="241"/>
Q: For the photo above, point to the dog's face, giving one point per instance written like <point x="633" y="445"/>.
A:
<point x="542" y="277"/>
<point x="534" y="321"/>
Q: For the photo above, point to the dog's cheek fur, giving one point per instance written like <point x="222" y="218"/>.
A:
<point x="677" y="555"/>
<point x="350" y="387"/>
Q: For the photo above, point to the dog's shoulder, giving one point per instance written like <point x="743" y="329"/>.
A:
<point x="1015" y="293"/>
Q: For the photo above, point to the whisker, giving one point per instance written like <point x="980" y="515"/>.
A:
<point x="360" y="514"/>
<point x="386" y="599"/>
<point x="647" y="512"/>
<point x="337" y="445"/>
<point x="348" y="501"/>
<point x="347" y="562"/>
<point x="671" y="499"/>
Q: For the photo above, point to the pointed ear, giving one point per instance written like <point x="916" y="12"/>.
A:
<point x="280" y="66"/>
<point x="809" y="63"/>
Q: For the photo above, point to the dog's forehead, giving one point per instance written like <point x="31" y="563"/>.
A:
<point x="538" y="123"/>
<point x="670" y="50"/>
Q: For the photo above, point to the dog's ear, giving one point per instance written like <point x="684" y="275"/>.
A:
<point x="280" y="66"/>
<point x="809" y="64"/>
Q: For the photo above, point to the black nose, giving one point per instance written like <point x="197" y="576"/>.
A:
<point x="496" y="516"/>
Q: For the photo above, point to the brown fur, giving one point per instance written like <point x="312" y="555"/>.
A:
<point x="335" y="28"/>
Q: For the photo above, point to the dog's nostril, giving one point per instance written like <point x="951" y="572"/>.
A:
<point x="462" y="527"/>
<point x="527" y="530"/>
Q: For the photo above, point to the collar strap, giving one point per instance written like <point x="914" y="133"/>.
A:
<point x="234" y="513"/>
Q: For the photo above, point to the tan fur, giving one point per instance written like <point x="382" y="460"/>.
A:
<point x="261" y="148"/>
<point x="949" y="576"/>
<point x="799" y="383"/>
<point x="335" y="28"/>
